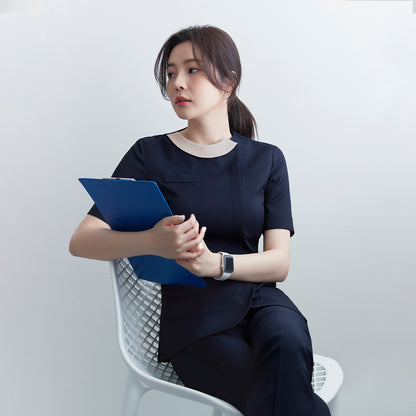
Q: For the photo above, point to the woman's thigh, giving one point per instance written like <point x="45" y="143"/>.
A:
<point x="282" y="352"/>
<point x="280" y="328"/>
<point x="282" y="348"/>
<point x="220" y="365"/>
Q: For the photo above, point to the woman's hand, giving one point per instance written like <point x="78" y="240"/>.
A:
<point x="174" y="238"/>
<point x="208" y="264"/>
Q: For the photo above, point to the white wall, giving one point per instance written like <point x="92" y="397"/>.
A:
<point x="330" y="82"/>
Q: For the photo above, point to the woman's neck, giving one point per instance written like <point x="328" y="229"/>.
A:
<point x="206" y="134"/>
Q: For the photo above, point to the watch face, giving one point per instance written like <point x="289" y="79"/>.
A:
<point x="228" y="264"/>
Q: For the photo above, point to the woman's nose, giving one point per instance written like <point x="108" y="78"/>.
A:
<point x="179" y="81"/>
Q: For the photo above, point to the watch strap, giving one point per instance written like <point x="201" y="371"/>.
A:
<point x="225" y="274"/>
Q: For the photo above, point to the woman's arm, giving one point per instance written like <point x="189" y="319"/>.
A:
<point x="272" y="265"/>
<point x="171" y="237"/>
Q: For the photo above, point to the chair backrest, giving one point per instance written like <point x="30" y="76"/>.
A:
<point x="138" y="304"/>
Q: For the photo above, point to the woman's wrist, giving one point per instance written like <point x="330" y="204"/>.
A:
<point x="216" y="265"/>
<point x="147" y="241"/>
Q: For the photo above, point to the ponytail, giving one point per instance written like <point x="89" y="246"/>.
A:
<point x="240" y="118"/>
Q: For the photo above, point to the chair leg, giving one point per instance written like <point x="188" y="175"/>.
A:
<point x="133" y="395"/>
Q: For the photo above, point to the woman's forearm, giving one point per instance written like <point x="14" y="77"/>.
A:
<point x="268" y="266"/>
<point x="172" y="237"/>
<point x="107" y="244"/>
<point x="271" y="265"/>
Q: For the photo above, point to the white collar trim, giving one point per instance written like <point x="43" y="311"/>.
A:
<point x="220" y="148"/>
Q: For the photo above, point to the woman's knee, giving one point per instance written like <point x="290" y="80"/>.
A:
<point x="280" y="329"/>
<point x="295" y="336"/>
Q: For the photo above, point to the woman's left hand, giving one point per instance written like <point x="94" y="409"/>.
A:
<point x="208" y="264"/>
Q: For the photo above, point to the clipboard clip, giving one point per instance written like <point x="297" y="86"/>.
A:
<point x="124" y="179"/>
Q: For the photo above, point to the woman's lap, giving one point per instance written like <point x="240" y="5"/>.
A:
<point x="220" y="365"/>
<point x="261" y="366"/>
<point x="282" y="352"/>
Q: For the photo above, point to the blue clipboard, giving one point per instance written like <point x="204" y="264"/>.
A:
<point x="130" y="205"/>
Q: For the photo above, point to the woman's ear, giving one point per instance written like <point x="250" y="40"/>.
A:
<point x="228" y="87"/>
<point x="230" y="83"/>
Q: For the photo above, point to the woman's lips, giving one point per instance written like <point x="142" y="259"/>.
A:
<point x="182" y="103"/>
<point x="181" y="98"/>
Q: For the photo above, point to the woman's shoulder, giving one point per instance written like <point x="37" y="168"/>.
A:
<point x="151" y="140"/>
<point x="257" y="147"/>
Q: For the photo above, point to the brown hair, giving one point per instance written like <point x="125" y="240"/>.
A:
<point x="220" y="60"/>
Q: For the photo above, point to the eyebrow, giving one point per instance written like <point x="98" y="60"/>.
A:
<point x="185" y="62"/>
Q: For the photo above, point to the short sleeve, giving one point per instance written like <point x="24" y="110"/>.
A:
<point x="277" y="205"/>
<point x="132" y="165"/>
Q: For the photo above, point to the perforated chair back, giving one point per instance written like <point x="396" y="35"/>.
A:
<point x="139" y="303"/>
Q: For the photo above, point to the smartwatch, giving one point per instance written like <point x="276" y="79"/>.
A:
<point x="227" y="266"/>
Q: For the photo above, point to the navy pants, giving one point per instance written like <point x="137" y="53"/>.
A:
<point x="263" y="366"/>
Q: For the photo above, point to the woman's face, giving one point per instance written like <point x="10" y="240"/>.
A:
<point x="186" y="79"/>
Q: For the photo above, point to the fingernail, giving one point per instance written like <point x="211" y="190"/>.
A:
<point x="181" y="217"/>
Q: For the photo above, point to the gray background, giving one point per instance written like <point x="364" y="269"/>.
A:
<point x="332" y="83"/>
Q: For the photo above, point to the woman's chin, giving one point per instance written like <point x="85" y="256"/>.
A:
<point x="181" y="116"/>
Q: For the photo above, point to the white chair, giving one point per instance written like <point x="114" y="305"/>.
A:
<point x="138" y="305"/>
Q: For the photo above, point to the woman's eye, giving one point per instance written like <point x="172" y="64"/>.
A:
<point x="172" y="74"/>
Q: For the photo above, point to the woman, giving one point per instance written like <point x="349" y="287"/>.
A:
<point x="240" y="338"/>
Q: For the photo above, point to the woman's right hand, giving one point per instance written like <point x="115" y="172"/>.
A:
<point x="175" y="238"/>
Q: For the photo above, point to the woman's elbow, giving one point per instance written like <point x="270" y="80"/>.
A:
<point x="75" y="246"/>
<point x="282" y="277"/>
<point x="81" y="239"/>
<point x="282" y="271"/>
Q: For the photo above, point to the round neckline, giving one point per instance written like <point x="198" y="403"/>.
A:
<point x="206" y="151"/>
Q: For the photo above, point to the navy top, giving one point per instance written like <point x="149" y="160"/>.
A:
<point x="237" y="196"/>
